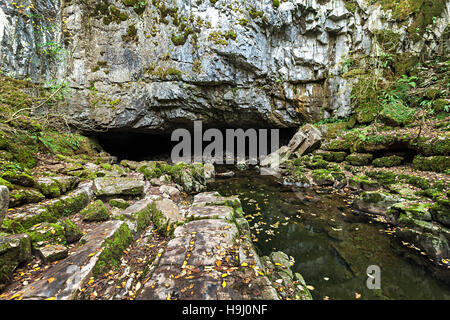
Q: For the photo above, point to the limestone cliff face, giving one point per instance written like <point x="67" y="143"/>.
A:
<point x="161" y="64"/>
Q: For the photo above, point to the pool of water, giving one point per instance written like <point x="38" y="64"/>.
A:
<point x="331" y="245"/>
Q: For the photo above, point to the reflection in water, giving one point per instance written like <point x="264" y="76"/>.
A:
<point x="332" y="247"/>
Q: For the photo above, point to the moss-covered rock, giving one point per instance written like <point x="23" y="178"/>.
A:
<point x="440" y="211"/>
<point x="19" y="178"/>
<point x="389" y="161"/>
<point x="47" y="233"/>
<point x="401" y="213"/>
<point x="433" y="163"/>
<point x="14" y="250"/>
<point x="71" y="231"/>
<point x="359" y="159"/>
<point x="113" y="249"/>
<point x="375" y="202"/>
<point x="95" y="211"/>
<point x="23" y="196"/>
<point x="363" y="182"/>
<point x="119" y="203"/>
<point x="323" y="177"/>
<point x="332" y="156"/>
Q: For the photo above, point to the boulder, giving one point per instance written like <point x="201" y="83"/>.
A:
<point x="14" y="250"/>
<point x="112" y="186"/>
<point x="375" y="202"/>
<point x="119" y="203"/>
<point x="18" y="197"/>
<point x="440" y="211"/>
<point x="19" y="178"/>
<point x="95" y="211"/>
<point x="307" y="139"/>
<point x="53" y="187"/>
<point x="359" y="159"/>
<point x="52" y="253"/>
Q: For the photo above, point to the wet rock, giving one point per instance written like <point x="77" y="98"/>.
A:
<point x="95" y="212"/>
<point x="52" y="253"/>
<point x="375" y="202"/>
<point x="14" y="250"/>
<point x="440" y="211"/>
<point x="139" y="215"/>
<point x="108" y="186"/>
<point x="400" y="213"/>
<point x="4" y="202"/>
<point x="432" y="239"/>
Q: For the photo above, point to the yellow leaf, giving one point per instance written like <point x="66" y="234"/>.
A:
<point x="224" y="284"/>
<point x="51" y="298"/>
<point x="51" y="280"/>
<point x="357" y="295"/>
<point x="15" y="296"/>
<point x="244" y="264"/>
<point x="310" y="288"/>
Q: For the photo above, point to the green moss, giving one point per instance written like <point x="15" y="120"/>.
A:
<point x="359" y="159"/>
<point x="71" y="231"/>
<point x="95" y="211"/>
<point x="19" y="178"/>
<point x="397" y="114"/>
<point x="131" y="35"/>
<point x="434" y="163"/>
<point x="119" y="203"/>
<point x="440" y="105"/>
<point x="323" y="177"/>
<point x="276" y="3"/>
<point x="390" y="161"/>
<point x="333" y="156"/>
<point x="112" y="250"/>
<point x="388" y="40"/>
<point x="47" y="233"/>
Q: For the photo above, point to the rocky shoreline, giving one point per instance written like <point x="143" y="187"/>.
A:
<point x="77" y="243"/>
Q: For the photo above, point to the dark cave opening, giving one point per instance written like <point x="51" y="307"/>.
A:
<point x="140" y="146"/>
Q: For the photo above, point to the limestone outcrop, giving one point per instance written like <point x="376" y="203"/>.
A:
<point x="155" y="66"/>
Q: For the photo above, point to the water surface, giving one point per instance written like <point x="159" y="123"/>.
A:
<point x="332" y="246"/>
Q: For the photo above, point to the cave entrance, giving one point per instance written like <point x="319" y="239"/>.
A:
<point x="140" y="146"/>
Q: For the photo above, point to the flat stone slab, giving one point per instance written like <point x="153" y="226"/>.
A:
<point x="211" y="212"/>
<point x="115" y="186"/>
<point x="51" y="210"/>
<point x="206" y="259"/>
<point x="52" y="253"/>
<point x="56" y="186"/>
<point x="72" y="272"/>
